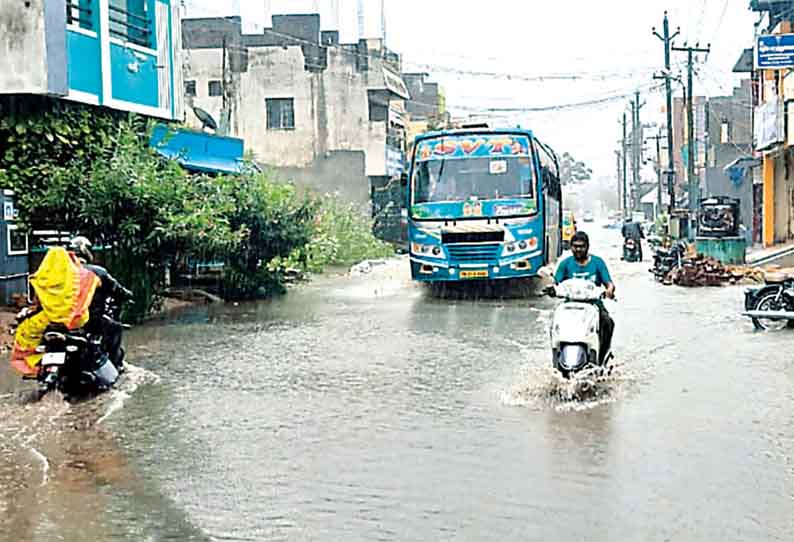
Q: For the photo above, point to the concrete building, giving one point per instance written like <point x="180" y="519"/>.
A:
<point x="772" y="93"/>
<point x="330" y="116"/>
<point x="426" y="108"/>
<point x="729" y="143"/>
<point x="121" y="54"/>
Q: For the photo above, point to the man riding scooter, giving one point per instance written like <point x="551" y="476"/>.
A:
<point x="584" y="266"/>
<point x="633" y="230"/>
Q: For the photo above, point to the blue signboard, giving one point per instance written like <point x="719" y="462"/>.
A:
<point x="774" y="52"/>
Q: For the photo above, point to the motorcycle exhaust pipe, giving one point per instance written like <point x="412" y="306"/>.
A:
<point x="770" y="315"/>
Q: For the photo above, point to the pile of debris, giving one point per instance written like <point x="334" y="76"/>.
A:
<point x="698" y="270"/>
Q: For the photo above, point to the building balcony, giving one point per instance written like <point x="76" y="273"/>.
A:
<point x="121" y="54"/>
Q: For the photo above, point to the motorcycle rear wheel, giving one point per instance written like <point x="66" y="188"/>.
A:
<point x="769" y="302"/>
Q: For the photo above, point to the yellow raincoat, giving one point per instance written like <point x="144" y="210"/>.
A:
<point x="64" y="289"/>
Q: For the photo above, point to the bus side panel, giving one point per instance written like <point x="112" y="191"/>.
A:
<point x="553" y="228"/>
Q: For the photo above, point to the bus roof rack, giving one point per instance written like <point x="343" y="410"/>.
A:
<point x="475" y="125"/>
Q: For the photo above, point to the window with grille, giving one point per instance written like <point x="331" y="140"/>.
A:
<point x="215" y="88"/>
<point x="80" y="13"/>
<point x="129" y="21"/>
<point x="280" y="113"/>
<point x="190" y="88"/>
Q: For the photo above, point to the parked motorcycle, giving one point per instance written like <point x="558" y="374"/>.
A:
<point x="631" y="250"/>
<point x="575" y="338"/>
<point x="771" y="307"/>
<point x="79" y="363"/>
<point x="667" y="259"/>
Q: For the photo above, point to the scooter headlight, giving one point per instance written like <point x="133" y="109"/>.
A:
<point x="573" y="357"/>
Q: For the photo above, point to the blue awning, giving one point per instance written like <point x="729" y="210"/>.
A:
<point x="199" y="151"/>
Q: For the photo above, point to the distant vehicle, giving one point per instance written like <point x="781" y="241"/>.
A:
<point x="568" y="228"/>
<point x="483" y="204"/>
<point x="631" y="250"/>
<point x="588" y="216"/>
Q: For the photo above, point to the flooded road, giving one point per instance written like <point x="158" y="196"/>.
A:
<point x="365" y="409"/>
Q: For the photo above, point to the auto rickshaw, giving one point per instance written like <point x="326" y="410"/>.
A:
<point x="568" y="228"/>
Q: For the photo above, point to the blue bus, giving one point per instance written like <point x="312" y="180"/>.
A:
<point x="483" y="204"/>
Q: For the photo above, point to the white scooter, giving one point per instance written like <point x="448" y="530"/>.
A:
<point x="575" y="339"/>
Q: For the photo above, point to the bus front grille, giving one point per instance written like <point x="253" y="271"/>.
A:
<point x="463" y="236"/>
<point x="473" y="253"/>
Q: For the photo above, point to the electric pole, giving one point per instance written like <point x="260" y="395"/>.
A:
<point x="667" y="39"/>
<point x="636" y="151"/>
<point x="619" y="155"/>
<point x="692" y="181"/>
<point x="658" y="138"/>
<point x="625" y="193"/>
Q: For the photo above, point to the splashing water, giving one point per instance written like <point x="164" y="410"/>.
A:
<point x="543" y="387"/>
<point x="133" y="378"/>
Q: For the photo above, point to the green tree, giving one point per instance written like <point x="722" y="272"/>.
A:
<point x="573" y="171"/>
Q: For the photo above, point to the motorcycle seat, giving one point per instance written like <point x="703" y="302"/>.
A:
<point x="775" y="278"/>
<point x="64" y="337"/>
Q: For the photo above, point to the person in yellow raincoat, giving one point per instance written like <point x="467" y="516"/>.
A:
<point x="64" y="290"/>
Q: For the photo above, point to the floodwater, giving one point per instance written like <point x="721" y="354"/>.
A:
<point x="361" y="408"/>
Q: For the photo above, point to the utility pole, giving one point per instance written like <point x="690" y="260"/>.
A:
<point x="692" y="181"/>
<point x="625" y="193"/>
<point x="667" y="39"/>
<point x="619" y="156"/>
<point x="658" y="138"/>
<point x="636" y="148"/>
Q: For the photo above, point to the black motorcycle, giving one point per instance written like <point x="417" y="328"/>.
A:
<point x="631" y="249"/>
<point x="667" y="259"/>
<point x="771" y="307"/>
<point x="82" y="363"/>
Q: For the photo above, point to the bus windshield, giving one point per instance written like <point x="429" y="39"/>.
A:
<point x="459" y="179"/>
<point x="463" y="168"/>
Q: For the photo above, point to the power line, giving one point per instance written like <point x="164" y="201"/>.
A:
<point x="348" y="50"/>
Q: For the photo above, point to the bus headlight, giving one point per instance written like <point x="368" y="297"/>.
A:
<point x="436" y="251"/>
<point x="418" y="248"/>
<point x="521" y="246"/>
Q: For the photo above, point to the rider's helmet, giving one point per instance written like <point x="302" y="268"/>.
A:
<point x="82" y="247"/>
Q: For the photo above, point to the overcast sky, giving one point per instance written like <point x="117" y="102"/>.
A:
<point x="608" y="43"/>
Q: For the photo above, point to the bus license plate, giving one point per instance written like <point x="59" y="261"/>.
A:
<point x="479" y="274"/>
<point x="54" y="358"/>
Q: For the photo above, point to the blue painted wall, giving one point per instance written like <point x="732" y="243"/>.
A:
<point x="85" y="72"/>
<point x="134" y="76"/>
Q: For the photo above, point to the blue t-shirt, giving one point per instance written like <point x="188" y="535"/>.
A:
<point x="594" y="270"/>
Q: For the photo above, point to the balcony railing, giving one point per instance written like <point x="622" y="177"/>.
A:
<point x="132" y="27"/>
<point x="79" y="12"/>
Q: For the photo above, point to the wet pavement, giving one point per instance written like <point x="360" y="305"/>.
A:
<point x="366" y="409"/>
